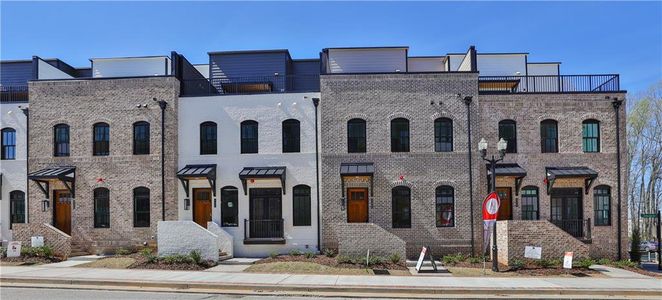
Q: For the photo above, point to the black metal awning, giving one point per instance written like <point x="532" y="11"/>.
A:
<point x="262" y="173"/>
<point x="198" y="172"/>
<point x="356" y="169"/>
<point x="67" y="175"/>
<point x="510" y="169"/>
<point x="552" y="173"/>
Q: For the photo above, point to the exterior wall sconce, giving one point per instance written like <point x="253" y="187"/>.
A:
<point x="214" y="202"/>
<point x="187" y="204"/>
<point x="44" y="205"/>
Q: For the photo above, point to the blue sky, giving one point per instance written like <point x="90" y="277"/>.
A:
<point x="588" y="37"/>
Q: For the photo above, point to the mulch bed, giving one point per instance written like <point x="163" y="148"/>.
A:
<point x="33" y="260"/>
<point x="141" y="263"/>
<point x="531" y="269"/>
<point x="331" y="262"/>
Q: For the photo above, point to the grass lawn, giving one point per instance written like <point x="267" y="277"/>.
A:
<point x="299" y="267"/>
<point x="110" y="263"/>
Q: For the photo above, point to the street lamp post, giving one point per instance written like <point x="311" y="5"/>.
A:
<point x="501" y="147"/>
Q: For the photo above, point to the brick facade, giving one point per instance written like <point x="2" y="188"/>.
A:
<point x="120" y="103"/>
<point x="58" y="240"/>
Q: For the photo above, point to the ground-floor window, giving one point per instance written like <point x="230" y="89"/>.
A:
<point x="602" y="205"/>
<point x="401" y="197"/>
<point x="17" y="207"/>
<point x="445" y="206"/>
<point x="301" y="205"/>
<point x="229" y="206"/>
<point x="101" y="208"/>
<point x="530" y="203"/>
<point x="141" y="207"/>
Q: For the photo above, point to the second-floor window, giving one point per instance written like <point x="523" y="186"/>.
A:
<point x="291" y="136"/>
<point x="549" y="136"/>
<point x="140" y="138"/>
<point x="61" y="140"/>
<point x="400" y="135"/>
<point x="508" y="132"/>
<point x="249" y="136"/>
<point x="591" y="136"/>
<point x="208" y="139"/>
<point x="356" y="136"/>
<point x="443" y="135"/>
<point x="101" y="139"/>
<point x="8" y="143"/>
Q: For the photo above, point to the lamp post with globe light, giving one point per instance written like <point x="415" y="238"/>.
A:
<point x="501" y="147"/>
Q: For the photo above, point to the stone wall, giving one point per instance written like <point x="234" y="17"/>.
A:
<point x="182" y="237"/>
<point x="58" y="240"/>
<point x="355" y="239"/>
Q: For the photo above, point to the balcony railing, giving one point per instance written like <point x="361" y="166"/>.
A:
<point x="578" y="228"/>
<point x="13" y="94"/>
<point x="251" y="85"/>
<point x="264" y="231"/>
<point x="549" y="84"/>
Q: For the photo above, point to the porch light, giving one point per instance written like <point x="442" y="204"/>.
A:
<point x="187" y="204"/>
<point x="482" y="147"/>
<point x="44" y="205"/>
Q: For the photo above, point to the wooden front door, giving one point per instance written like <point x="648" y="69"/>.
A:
<point x="357" y="205"/>
<point x="62" y="210"/>
<point x="506" y="207"/>
<point x="202" y="206"/>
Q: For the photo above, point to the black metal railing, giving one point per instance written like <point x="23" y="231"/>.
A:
<point x="578" y="228"/>
<point x="250" y="85"/>
<point x="263" y="229"/>
<point x="14" y="93"/>
<point x="549" y="84"/>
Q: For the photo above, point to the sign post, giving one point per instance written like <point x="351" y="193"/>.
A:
<point x="14" y="249"/>
<point x="490" y="210"/>
<point x="567" y="260"/>
<point x="425" y="250"/>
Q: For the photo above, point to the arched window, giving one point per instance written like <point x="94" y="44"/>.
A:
<point x="249" y="137"/>
<point x="61" y="140"/>
<point x="356" y="136"/>
<point x="229" y="206"/>
<point x="400" y="135"/>
<point x="141" y="207"/>
<point x="443" y="135"/>
<point x="508" y="132"/>
<point x="549" y="136"/>
<point x="16" y="207"/>
<point x="602" y="205"/>
<point x="208" y="139"/>
<point x="530" y="203"/>
<point x="445" y="206"/>
<point x="401" y="206"/>
<point x="291" y="136"/>
<point x="591" y="135"/>
<point x="141" y="138"/>
<point x="8" y="144"/>
<point x="301" y="205"/>
<point x="100" y="139"/>
<point x="101" y="208"/>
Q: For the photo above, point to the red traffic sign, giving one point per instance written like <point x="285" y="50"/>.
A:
<point x="491" y="207"/>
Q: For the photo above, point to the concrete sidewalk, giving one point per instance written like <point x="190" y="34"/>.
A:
<point x="393" y="286"/>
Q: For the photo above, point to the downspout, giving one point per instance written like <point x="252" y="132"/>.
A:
<point x="162" y="104"/>
<point x="27" y="155"/>
<point x="617" y="104"/>
<point x="467" y="102"/>
<point x="316" y="102"/>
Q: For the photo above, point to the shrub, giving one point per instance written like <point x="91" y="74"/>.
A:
<point x="635" y="255"/>
<point x="475" y="259"/>
<point x="196" y="257"/>
<point x="151" y="258"/>
<point x="549" y="263"/>
<point x="309" y="255"/>
<point x="584" y="263"/>
<point x="604" y="261"/>
<point x="624" y="263"/>
<point x="343" y="259"/>
<point x="43" y="251"/>
<point x="329" y="252"/>
<point x="453" y="259"/>
<point x="295" y="252"/>
<point x="146" y="252"/>
<point x="394" y="258"/>
<point x="517" y="264"/>
<point x="3" y="252"/>
<point x="273" y="254"/>
<point x="177" y="259"/>
<point x="46" y="251"/>
<point x="122" y="251"/>
<point x="375" y="260"/>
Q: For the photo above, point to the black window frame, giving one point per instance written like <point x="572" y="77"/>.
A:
<point x="16" y="203"/>
<point x="249" y="145"/>
<point x="443" y="137"/>
<point x="602" y="213"/>
<point x="400" y="137"/>
<point x="101" y="198"/>
<point x="356" y="143"/>
<point x="141" y="193"/>
<point x="208" y="138"/>
<point x="8" y="144"/>
<point x="594" y="141"/>
<point x="402" y="218"/>
<point x="549" y="144"/>
<point x="61" y="140"/>
<point x="291" y="133"/>
<point x="100" y="139"/>
<point x="141" y="144"/>
<point x="301" y="205"/>
<point x="530" y="193"/>
<point x="228" y="211"/>
<point x="511" y="140"/>
<point x="441" y="195"/>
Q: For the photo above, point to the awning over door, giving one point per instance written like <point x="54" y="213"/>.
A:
<point x="356" y="169"/>
<point x="262" y="173"/>
<point x="510" y="170"/>
<point x="198" y="172"/>
<point x="66" y="175"/>
<point x="553" y="173"/>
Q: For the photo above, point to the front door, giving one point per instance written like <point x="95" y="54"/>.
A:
<point x="506" y="207"/>
<point x="202" y="206"/>
<point x="566" y="210"/>
<point x="62" y="210"/>
<point x="265" y="213"/>
<point x="357" y="205"/>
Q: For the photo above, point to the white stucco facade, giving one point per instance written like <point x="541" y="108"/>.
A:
<point x="13" y="171"/>
<point x="269" y="110"/>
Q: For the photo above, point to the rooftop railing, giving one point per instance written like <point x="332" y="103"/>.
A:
<point x="548" y="84"/>
<point x="10" y="94"/>
<point x="251" y="85"/>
